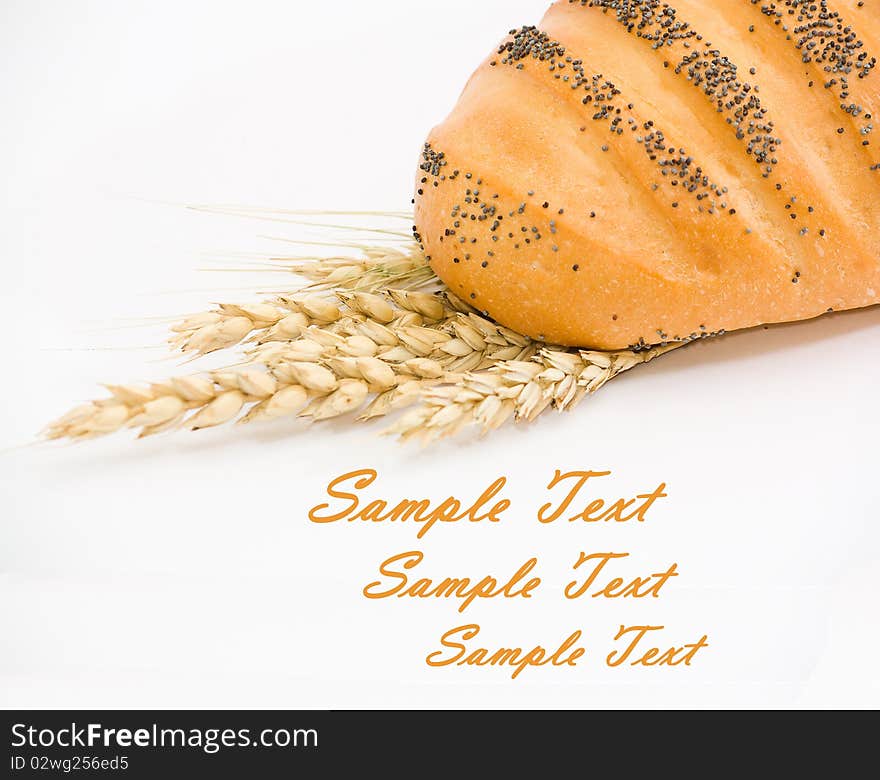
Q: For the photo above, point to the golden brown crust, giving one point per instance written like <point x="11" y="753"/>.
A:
<point x="629" y="173"/>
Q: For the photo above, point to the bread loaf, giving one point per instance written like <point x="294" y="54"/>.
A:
<point x="631" y="173"/>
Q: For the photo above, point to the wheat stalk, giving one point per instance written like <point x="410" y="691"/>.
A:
<point x="295" y="385"/>
<point x="304" y="387"/>
<point x="385" y="350"/>
<point x="367" y="336"/>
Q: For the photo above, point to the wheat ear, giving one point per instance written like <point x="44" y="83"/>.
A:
<point x="377" y="269"/>
<point x="517" y="389"/>
<point x="286" y="316"/>
<point x="383" y="350"/>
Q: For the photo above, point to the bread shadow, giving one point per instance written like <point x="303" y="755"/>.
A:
<point x="766" y="340"/>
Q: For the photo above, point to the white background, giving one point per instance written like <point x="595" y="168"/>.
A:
<point x="182" y="572"/>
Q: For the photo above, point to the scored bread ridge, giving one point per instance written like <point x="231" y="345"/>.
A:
<point x="631" y="173"/>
